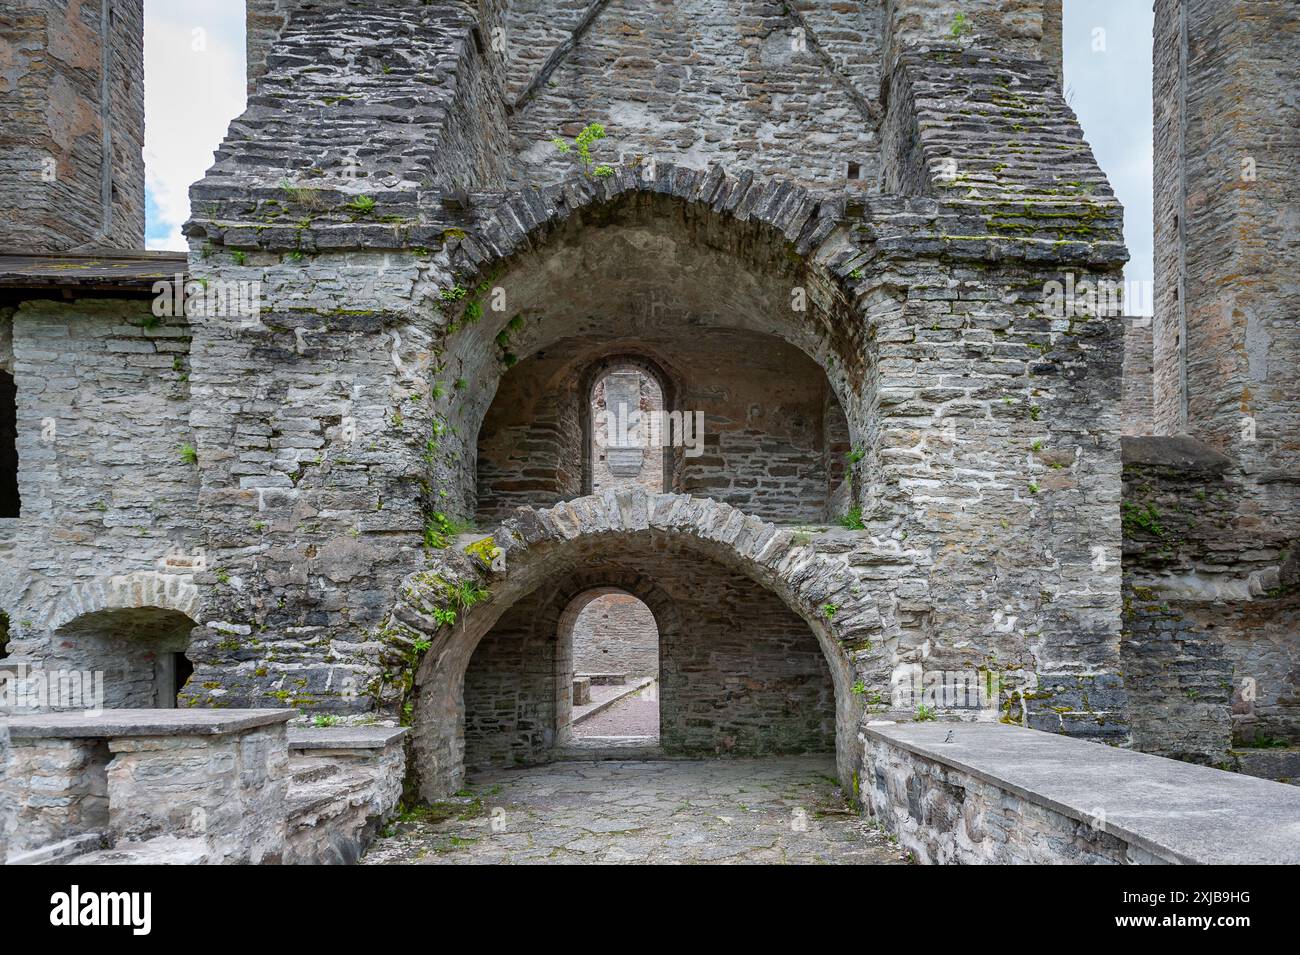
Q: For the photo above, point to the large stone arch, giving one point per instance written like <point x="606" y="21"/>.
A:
<point x="810" y="575"/>
<point x="617" y="255"/>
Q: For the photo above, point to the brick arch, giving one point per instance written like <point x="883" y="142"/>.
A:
<point x="539" y="545"/>
<point x="126" y="592"/>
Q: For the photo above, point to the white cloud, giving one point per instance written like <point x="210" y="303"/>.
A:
<point x="194" y="86"/>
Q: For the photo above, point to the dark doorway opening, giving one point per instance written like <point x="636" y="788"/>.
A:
<point x="9" y="502"/>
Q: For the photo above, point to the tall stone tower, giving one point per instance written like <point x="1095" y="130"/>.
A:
<point x="71" y="125"/>
<point x="1227" y="212"/>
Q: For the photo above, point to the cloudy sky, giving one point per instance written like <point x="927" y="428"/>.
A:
<point x="194" y="86"/>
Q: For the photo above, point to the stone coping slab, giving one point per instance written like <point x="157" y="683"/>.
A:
<point x="126" y="723"/>
<point x="344" y="737"/>
<point x="1174" y="810"/>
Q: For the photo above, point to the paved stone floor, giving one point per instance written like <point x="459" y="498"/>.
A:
<point x="637" y="714"/>
<point x="776" y="810"/>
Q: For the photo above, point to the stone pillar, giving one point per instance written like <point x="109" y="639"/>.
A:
<point x="71" y="124"/>
<point x="1227" y="212"/>
<point x="266" y="20"/>
<point x="1137" y="375"/>
<point x="51" y="790"/>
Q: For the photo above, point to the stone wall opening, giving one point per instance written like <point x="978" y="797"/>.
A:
<point x="622" y="430"/>
<point x="615" y="657"/>
<point x="139" y="650"/>
<point x="746" y="330"/>
<point x="750" y="420"/>
<point x="741" y="672"/>
<point x="9" y="499"/>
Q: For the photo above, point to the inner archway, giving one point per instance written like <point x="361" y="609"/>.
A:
<point x="740" y="674"/>
<point x="627" y="429"/>
<point x="750" y="420"/>
<point x="615" y="654"/>
<point x="674" y="280"/>
<point x="141" y="652"/>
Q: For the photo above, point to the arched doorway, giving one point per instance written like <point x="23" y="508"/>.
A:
<point x="141" y="652"/>
<point x="615" y="654"/>
<point x="753" y="330"/>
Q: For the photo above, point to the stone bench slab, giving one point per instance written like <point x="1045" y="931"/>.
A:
<point x="344" y="737"/>
<point x="128" y="723"/>
<point x="1172" y="809"/>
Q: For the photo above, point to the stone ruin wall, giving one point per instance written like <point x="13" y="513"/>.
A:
<point x="1211" y="517"/>
<point x="71" y="125"/>
<point x="989" y="470"/>
<point x="103" y="412"/>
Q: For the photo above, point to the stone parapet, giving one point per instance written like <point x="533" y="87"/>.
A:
<point x="989" y="793"/>
<point x="136" y="775"/>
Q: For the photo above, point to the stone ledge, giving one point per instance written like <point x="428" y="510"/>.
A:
<point x="1176" y="811"/>
<point x="344" y="737"/>
<point x="128" y="723"/>
<point x="1172" y="451"/>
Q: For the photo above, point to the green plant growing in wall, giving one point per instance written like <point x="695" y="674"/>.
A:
<point x="859" y="688"/>
<point x="961" y="26"/>
<point x="362" y="205"/>
<point x="301" y="195"/>
<point x="440" y="529"/>
<point x="852" y="519"/>
<point x="1140" y="520"/>
<point x="925" y="714"/>
<point x="189" y="454"/>
<point x="582" y="143"/>
<point x="324" y="719"/>
<point x="829" y="611"/>
<point x="856" y="455"/>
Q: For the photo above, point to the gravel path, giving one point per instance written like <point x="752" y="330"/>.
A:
<point x="777" y="810"/>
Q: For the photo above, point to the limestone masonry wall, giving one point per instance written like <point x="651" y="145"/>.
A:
<point x="615" y="633"/>
<point x="71" y="125"/>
